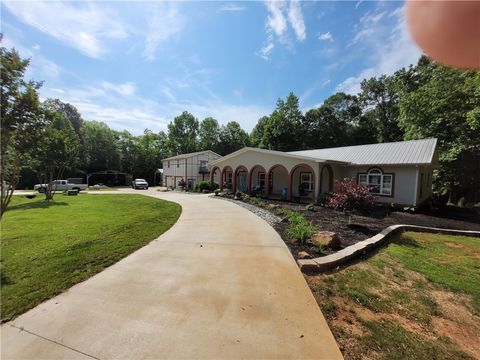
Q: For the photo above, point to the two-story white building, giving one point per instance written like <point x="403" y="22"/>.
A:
<point x="191" y="168"/>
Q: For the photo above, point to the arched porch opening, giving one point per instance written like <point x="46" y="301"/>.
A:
<point x="278" y="182"/>
<point x="240" y="179"/>
<point x="302" y="178"/>
<point x="227" y="178"/>
<point x="258" y="180"/>
<point x="215" y="176"/>
<point x="326" y="179"/>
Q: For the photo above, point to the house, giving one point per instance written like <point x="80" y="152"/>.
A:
<point x="397" y="172"/>
<point x="190" y="168"/>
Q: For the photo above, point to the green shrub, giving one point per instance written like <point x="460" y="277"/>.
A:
<point x="298" y="228"/>
<point x="310" y="207"/>
<point x="273" y="206"/>
<point x="461" y="202"/>
<point x="216" y="191"/>
<point x="201" y="186"/>
<point x="255" y="201"/>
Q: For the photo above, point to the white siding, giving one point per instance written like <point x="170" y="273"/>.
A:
<point x="403" y="182"/>
<point x="187" y="168"/>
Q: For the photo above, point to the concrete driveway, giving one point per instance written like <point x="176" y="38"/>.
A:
<point x="219" y="284"/>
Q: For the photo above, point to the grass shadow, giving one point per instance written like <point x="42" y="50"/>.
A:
<point x="396" y="238"/>
<point x="406" y="241"/>
<point x="37" y="205"/>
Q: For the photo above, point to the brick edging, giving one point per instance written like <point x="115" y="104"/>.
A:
<point x="324" y="263"/>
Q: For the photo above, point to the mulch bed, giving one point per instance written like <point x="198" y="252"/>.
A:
<point x="363" y="226"/>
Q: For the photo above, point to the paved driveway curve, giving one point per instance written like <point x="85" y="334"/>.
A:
<point x="219" y="284"/>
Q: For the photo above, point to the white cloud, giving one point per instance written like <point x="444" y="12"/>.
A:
<point x="276" y="20"/>
<point x="389" y="48"/>
<point x="232" y="7"/>
<point x="40" y="68"/>
<point x="312" y="89"/>
<point x="296" y="20"/>
<point x="121" y="111"/>
<point x="325" y="36"/>
<point x="168" y="93"/>
<point x="351" y="85"/>
<point x="264" y="52"/>
<point x="36" y="47"/>
<point x="126" y="89"/>
<point x="224" y="112"/>
<point x="164" y="22"/>
<point x="84" y="27"/>
<point x="280" y="16"/>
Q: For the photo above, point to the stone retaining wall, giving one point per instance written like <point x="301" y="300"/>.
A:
<point x="328" y="262"/>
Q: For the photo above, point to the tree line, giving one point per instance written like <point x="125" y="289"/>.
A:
<point x="49" y="138"/>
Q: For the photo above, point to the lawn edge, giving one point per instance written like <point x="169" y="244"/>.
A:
<point x="324" y="263"/>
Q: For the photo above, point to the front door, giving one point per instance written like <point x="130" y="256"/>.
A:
<point x="242" y="181"/>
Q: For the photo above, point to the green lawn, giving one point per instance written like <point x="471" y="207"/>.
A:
<point x="49" y="246"/>
<point x="416" y="298"/>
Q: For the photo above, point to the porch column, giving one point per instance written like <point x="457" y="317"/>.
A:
<point x="267" y="183"/>
<point x="289" y="186"/>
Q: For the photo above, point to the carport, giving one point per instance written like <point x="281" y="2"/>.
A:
<point x="109" y="178"/>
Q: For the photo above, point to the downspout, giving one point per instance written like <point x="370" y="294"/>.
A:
<point x="416" y="187"/>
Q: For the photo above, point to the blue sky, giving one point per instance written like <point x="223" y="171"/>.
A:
<point x="136" y="65"/>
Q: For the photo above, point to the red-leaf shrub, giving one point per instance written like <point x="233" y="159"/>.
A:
<point x="349" y="195"/>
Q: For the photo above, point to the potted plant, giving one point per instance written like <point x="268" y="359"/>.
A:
<point x="182" y="184"/>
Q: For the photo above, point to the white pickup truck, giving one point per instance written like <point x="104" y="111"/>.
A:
<point x="59" y="185"/>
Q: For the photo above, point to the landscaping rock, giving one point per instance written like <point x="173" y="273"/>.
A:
<point x="326" y="238"/>
<point x="304" y="255"/>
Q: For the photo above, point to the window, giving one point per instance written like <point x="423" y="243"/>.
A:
<point x="306" y="181"/>
<point x="178" y="163"/>
<point x="378" y="182"/>
<point x="261" y="179"/>
<point x="168" y="164"/>
<point x="203" y="165"/>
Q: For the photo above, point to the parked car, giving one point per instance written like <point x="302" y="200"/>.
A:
<point x="59" y="185"/>
<point x="140" y="184"/>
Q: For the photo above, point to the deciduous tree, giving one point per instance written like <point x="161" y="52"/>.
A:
<point x="209" y="135"/>
<point x="56" y="151"/>
<point x="183" y="134"/>
<point x="20" y="120"/>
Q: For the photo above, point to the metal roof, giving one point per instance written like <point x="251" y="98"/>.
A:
<point x="270" y="152"/>
<point x="183" y="156"/>
<point x="398" y="153"/>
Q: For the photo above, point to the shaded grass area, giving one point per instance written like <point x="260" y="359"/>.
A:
<point x="49" y="246"/>
<point x="451" y="262"/>
<point x="392" y="305"/>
